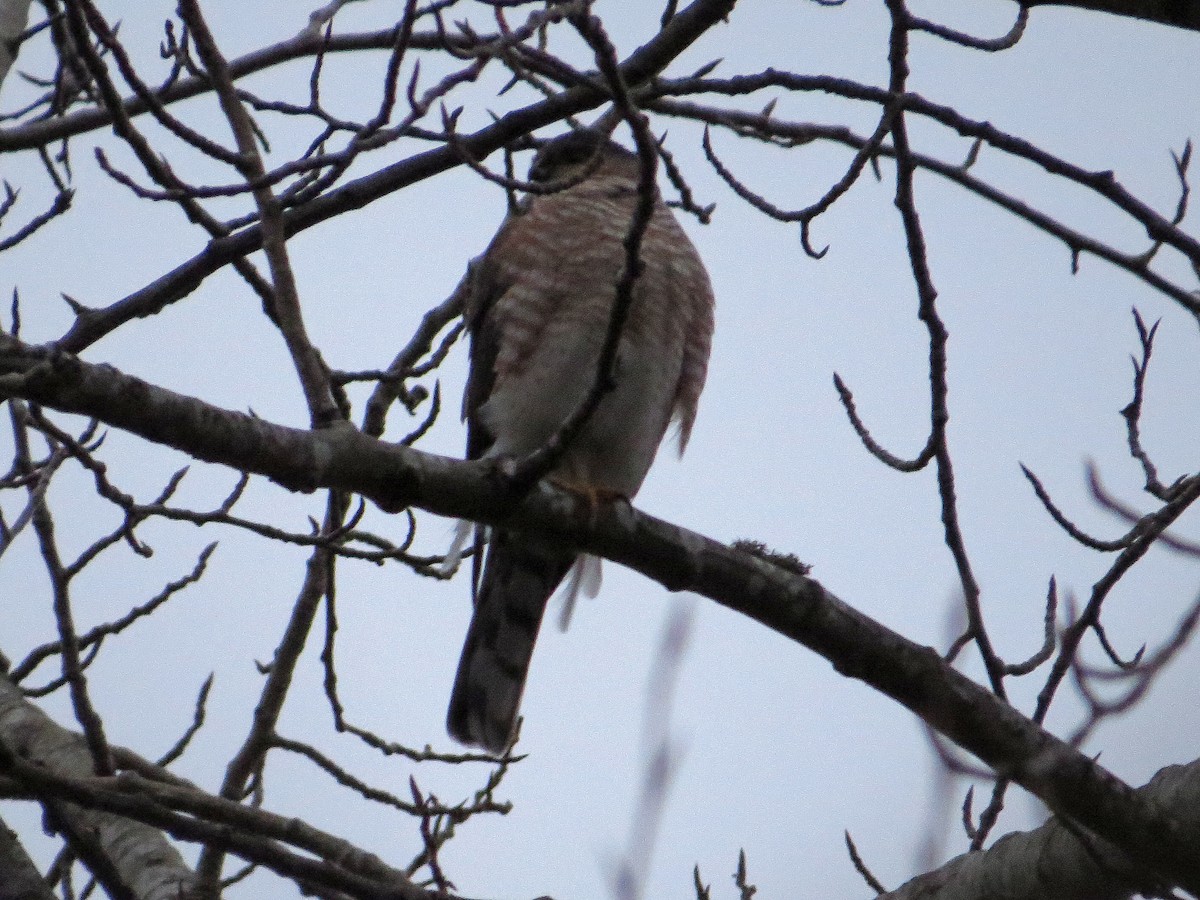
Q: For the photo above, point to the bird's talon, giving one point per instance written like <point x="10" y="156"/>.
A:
<point x="594" y="497"/>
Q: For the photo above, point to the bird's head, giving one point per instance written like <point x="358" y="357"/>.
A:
<point x="570" y="156"/>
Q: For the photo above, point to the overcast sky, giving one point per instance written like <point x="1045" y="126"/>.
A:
<point x="778" y="754"/>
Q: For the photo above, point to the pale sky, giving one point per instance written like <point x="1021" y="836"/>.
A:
<point x="779" y="754"/>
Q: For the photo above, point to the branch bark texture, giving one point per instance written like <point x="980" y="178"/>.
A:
<point x="1070" y="784"/>
<point x="146" y="863"/>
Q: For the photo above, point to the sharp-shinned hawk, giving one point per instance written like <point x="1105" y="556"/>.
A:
<point x="538" y="307"/>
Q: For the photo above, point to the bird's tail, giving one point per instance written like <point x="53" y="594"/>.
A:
<point x="518" y="581"/>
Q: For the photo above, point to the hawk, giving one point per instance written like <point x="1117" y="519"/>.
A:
<point x="538" y="306"/>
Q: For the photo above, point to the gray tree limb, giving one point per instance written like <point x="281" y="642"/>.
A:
<point x="1048" y="863"/>
<point x="1052" y="862"/>
<point x="22" y="880"/>
<point x="144" y="861"/>
<point x="1069" y="783"/>
<point x="1180" y="13"/>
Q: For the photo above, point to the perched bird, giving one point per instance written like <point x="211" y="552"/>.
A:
<point x="538" y="306"/>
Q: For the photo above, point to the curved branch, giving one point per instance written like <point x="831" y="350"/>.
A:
<point x="1071" y="784"/>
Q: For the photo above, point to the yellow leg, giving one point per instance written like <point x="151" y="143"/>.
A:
<point x="592" y="495"/>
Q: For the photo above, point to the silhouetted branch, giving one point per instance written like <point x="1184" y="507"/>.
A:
<point x="796" y="606"/>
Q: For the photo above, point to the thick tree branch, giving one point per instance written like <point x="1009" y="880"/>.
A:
<point x="1071" y="784"/>
<point x="1180" y="13"/>
<point x="143" y="859"/>
<point x="1052" y="861"/>
<point x="253" y="834"/>
<point x="22" y="880"/>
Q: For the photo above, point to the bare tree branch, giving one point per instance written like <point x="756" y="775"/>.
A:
<point x="145" y="860"/>
<point x="795" y="606"/>
<point x="1180" y="13"/>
